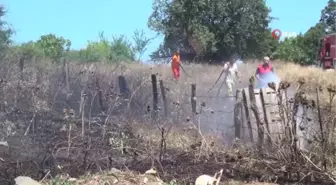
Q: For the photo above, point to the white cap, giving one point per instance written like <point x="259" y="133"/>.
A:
<point x="266" y="58"/>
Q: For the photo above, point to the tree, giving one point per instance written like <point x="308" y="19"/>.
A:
<point x="291" y="50"/>
<point x="54" y="47"/>
<point x="140" y="43"/>
<point x="328" y="17"/>
<point x="30" y="51"/>
<point x="312" y="41"/>
<point x="96" y="50"/>
<point x="305" y="48"/>
<point x="214" y="29"/>
<point x="5" y="32"/>
<point x="121" y="50"/>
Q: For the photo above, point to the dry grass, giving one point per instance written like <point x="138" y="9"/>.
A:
<point x="207" y="74"/>
<point x="109" y="177"/>
<point x="123" y="115"/>
<point x="128" y="178"/>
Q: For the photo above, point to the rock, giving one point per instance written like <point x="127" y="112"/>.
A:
<point x="4" y="143"/>
<point x="23" y="180"/>
<point x="115" y="170"/>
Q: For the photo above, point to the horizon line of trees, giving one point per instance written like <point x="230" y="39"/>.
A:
<point x="200" y="29"/>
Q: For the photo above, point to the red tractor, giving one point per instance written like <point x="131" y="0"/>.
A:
<point x="327" y="53"/>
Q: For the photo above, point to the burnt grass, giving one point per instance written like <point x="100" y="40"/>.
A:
<point x="38" y="110"/>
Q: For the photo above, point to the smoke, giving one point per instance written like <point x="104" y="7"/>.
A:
<point x="267" y="78"/>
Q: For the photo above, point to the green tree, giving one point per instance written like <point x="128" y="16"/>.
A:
<point x="312" y="41"/>
<point x="54" y="47"/>
<point x="30" y="51"/>
<point x="216" y="28"/>
<point x="118" y="50"/>
<point x="5" y="32"/>
<point x="266" y="46"/>
<point x="328" y="17"/>
<point x="121" y="50"/>
<point x="291" y="50"/>
<point x="96" y="50"/>
<point x="305" y="48"/>
<point x="74" y="55"/>
<point x="140" y="43"/>
<point x="312" y="38"/>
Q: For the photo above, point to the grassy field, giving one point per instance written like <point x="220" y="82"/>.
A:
<point x="94" y="111"/>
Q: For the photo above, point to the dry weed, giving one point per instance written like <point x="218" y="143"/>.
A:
<point x="111" y="126"/>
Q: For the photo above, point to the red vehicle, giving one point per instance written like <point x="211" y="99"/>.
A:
<point x="327" y="53"/>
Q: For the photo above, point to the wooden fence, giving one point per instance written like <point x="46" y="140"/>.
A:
<point x="257" y="117"/>
<point x="261" y="117"/>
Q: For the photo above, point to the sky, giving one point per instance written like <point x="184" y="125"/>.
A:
<point x="82" y="20"/>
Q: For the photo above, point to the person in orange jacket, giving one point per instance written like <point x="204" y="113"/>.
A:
<point x="176" y="65"/>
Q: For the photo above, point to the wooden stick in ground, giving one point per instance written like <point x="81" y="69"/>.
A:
<point x="247" y="105"/>
<point x="155" y="98"/>
<point x="238" y="114"/>
<point x="323" y="140"/>
<point x="164" y="99"/>
<point x="193" y="98"/>
<point x="255" y="111"/>
<point x="267" y="115"/>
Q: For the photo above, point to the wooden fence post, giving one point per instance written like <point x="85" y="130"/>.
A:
<point x="193" y="98"/>
<point x="238" y="114"/>
<point x="247" y="106"/>
<point x="267" y="115"/>
<point x="319" y="115"/>
<point x="155" y="97"/>
<point x="164" y="99"/>
<point x="255" y="110"/>
<point x="123" y="88"/>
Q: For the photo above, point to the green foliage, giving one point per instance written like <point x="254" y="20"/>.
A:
<point x="5" y="32"/>
<point x="265" y="47"/>
<point x="215" y="29"/>
<point x="312" y="41"/>
<point x="305" y="48"/>
<point x="290" y="50"/>
<point x="96" y="51"/>
<point x="54" y="47"/>
<point x="58" y="181"/>
<point x="173" y="182"/>
<point x="30" y="51"/>
<point x="328" y="16"/>
<point x="140" y="43"/>
<point x="119" y="49"/>
<point x="73" y="55"/>
<point x="212" y="28"/>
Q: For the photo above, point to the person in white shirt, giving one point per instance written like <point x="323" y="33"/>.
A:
<point x="230" y="70"/>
